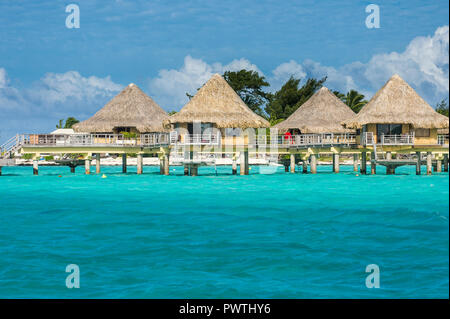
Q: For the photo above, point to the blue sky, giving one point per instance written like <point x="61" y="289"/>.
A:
<point x="48" y="71"/>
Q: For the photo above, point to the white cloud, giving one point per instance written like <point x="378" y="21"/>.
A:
<point x="169" y="88"/>
<point x="283" y="72"/>
<point x="55" y="96"/>
<point x="424" y="64"/>
<point x="56" y="88"/>
<point x="3" y="78"/>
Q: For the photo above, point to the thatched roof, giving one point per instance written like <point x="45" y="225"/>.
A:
<point x="130" y="108"/>
<point x="321" y="113"/>
<point x="397" y="102"/>
<point x="216" y="102"/>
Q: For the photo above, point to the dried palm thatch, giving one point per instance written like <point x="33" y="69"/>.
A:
<point x="216" y="102"/>
<point x="322" y="113"/>
<point x="130" y="108"/>
<point x="397" y="103"/>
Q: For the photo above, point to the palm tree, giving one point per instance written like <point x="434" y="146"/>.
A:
<point x="355" y="100"/>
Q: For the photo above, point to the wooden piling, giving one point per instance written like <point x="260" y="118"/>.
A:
<point x="429" y="163"/>
<point x="292" y="164"/>
<point x="194" y="170"/>
<point x="247" y="170"/>
<point x="363" y="165"/>
<point x="355" y="162"/>
<point x="419" y="163"/>
<point x="140" y="162"/>
<point x="243" y="167"/>
<point x="439" y="165"/>
<point x="35" y="167"/>
<point x="186" y="170"/>
<point x="124" y="163"/>
<point x="87" y="166"/>
<point x="373" y="164"/>
<point x="445" y="162"/>
<point x="166" y="165"/>
<point x="0" y="171"/>
<point x="234" y="165"/>
<point x="336" y="162"/>
<point x="97" y="163"/>
<point x="313" y="163"/>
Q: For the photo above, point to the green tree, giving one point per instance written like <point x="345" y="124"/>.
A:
<point x="70" y="122"/>
<point x="60" y="124"/>
<point x="290" y="97"/>
<point x="339" y="95"/>
<point x="355" y="100"/>
<point x="442" y="107"/>
<point x="249" y="86"/>
<point x="172" y="112"/>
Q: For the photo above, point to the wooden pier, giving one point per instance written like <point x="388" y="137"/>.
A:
<point x="304" y="150"/>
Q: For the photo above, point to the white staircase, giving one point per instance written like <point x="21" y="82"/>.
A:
<point x="11" y="146"/>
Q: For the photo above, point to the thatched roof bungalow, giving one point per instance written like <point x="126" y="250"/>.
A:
<point x="218" y="105"/>
<point x="130" y="111"/>
<point x="321" y="113"/>
<point x="397" y="110"/>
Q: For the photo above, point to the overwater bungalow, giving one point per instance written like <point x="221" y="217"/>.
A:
<point x="317" y="123"/>
<point x="215" y="116"/>
<point x="216" y="107"/>
<point x="397" y="119"/>
<point x="129" y="123"/>
<point x="322" y="113"/>
<point x="397" y="115"/>
<point x="131" y="111"/>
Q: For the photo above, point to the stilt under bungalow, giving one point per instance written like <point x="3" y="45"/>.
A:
<point x="124" y="163"/>
<point x="373" y="163"/>
<point x="292" y="164"/>
<point x="363" y="165"/>
<point x="87" y="166"/>
<point x="305" y="166"/>
<point x="355" y="162"/>
<point x="429" y="155"/>
<point x="419" y="163"/>
<point x="35" y="167"/>
<point x="445" y="162"/>
<point x="313" y="163"/>
<point x="439" y="165"/>
<point x="336" y="164"/>
<point x="139" y="164"/>
<point x="97" y="163"/>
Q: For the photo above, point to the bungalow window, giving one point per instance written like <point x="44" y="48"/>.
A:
<point x="422" y="132"/>
<point x="194" y="127"/>
<point x="388" y="129"/>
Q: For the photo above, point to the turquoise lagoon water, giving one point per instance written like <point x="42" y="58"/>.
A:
<point x="258" y="236"/>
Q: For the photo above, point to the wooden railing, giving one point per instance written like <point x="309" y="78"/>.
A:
<point x="393" y="139"/>
<point x="306" y="140"/>
<point x="73" y="140"/>
<point x="194" y="139"/>
<point x="397" y="139"/>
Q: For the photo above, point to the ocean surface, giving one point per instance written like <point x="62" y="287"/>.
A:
<point x="264" y="235"/>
